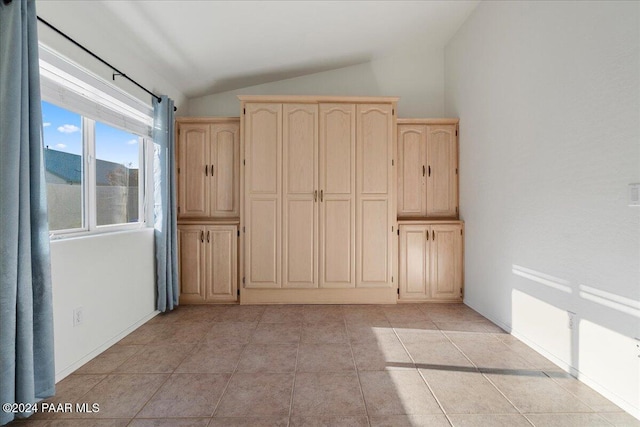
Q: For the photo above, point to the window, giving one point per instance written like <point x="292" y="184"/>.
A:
<point x="96" y="139"/>
<point x="94" y="172"/>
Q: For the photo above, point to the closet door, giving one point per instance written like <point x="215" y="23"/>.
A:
<point x="442" y="159"/>
<point x="337" y="195"/>
<point x="191" y="261"/>
<point x="375" y="210"/>
<point x="263" y="194"/>
<point x="412" y="164"/>
<point x="193" y="170"/>
<point x="225" y="169"/>
<point x="300" y="195"/>
<point x="446" y="261"/>
<point x="415" y="257"/>
<point x="221" y="262"/>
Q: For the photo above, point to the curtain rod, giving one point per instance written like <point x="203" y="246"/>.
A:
<point x="116" y="73"/>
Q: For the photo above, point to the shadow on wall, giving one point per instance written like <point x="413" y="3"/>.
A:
<point x="547" y="311"/>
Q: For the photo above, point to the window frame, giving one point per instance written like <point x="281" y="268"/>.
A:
<point x="89" y="184"/>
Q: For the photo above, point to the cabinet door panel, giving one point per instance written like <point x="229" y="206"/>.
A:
<point x="300" y="214"/>
<point x="337" y="175"/>
<point x="374" y="141"/>
<point x="412" y="194"/>
<point x="263" y="195"/>
<point x="373" y="244"/>
<point x="414" y="262"/>
<point x="221" y="263"/>
<point x="375" y="212"/>
<point x="263" y="244"/>
<point x="263" y="124"/>
<point x="225" y="151"/>
<point x="299" y="249"/>
<point x="193" y="184"/>
<point x="442" y="186"/>
<point x="191" y="264"/>
<point x="338" y="246"/>
<point x="337" y="149"/>
<point x="446" y="261"/>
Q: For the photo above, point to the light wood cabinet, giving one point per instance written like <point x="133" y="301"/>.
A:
<point x="427" y="168"/>
<point x="208" y="153"/>
<point x="431" y="255"/>
<point x="319" y="206"/>
<point x="208" y="264"/>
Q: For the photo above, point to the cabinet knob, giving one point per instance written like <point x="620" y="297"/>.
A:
<point x="315" y="196"/>
<point x="202" y="236"/>
<point x="206" y="170"/>
<point x="321" y="192"/>
<point x="211" y="170"/>
<point x="423" y="170"/>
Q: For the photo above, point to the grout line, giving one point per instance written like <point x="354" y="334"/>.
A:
<point x="355" y="365"/>
<point x="295" y="374"/>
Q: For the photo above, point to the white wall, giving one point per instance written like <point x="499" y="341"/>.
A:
<point x="416" y="75"/>
<point x="111" y="276"/>
<point x="111" y="46"/>
<point x="548" y="95"/>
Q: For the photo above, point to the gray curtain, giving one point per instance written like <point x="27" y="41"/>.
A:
<point x="27" y="371"/>
<point x="166" y="238"/>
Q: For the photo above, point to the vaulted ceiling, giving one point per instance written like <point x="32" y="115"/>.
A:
<point x="206" y="47"/>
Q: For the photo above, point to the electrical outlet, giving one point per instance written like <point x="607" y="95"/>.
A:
<point x="78" y="316"/>
<point x="572" y="318"/>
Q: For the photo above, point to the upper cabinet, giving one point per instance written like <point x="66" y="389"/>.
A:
<point x="208" y="163"/>
<point x="427" y="168"/>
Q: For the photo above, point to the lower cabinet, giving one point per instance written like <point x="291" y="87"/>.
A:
<point x="208" y="263"/>
<point x="431" y="261"/>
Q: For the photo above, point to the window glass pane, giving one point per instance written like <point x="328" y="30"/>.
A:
<point x="117" y="166"/>
<point x="63" y="166"/>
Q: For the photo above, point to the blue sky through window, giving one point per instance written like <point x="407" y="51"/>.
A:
<point x="63" y="132"/>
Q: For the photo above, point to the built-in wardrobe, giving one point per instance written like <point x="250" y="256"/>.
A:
<point x="318" y="200"/>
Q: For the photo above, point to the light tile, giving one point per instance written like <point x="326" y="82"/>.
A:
<point x="319" y="394"/>
<point x="568" y="420"/>
<point x="326" y="332"/>
<point x="231" y="332"/>
<point x="212" y="357"/>
<point x="277" y="333"/>
<point x="329" y="421"/>
<point x="156" y="359"/>
<point x="466" y="392"/>
<point x="107" y="361"/>
<point x="399" y="392"/>
<point x="485" y="420"/>
<point x="431" y="420"/>
<point x="325" y="358"/>
<point x="186" y="395"/>
<point x="534" y="392"/>
<point x="256" y="394"/>
<point x="249" y="422"/>
<point x="274" y="358"/>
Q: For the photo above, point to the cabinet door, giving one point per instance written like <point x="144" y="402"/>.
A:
<point x="338" y="186"/>
<point x="300" y="213"/>
<point x="375" y="210"/>
<point x="446" y="261"/>
<point x="225" y="169"/>
<point x="442" y="159"/>
<point x="193" y="170"/>
<point x="414" y="262"/>
<point x="221" y="263"/>
<point x="263" y="194"/>
<point x="191" y="261"/>
<point x="412" y="164"/>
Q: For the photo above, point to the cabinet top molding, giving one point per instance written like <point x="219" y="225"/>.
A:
<point x="184" y="119"/>
<point x="307" y="99"/>
<point x="441" y="121"/>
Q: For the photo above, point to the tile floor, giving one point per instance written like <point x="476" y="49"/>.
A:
<point x="400" y="365"/>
